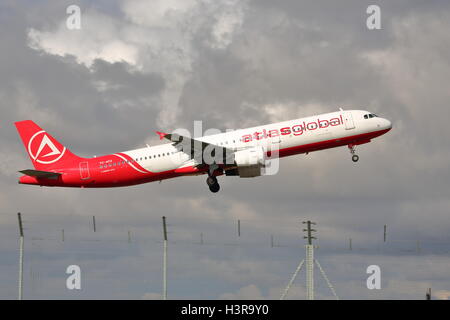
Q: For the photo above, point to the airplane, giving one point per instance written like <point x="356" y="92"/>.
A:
<point x="242" y="153"/>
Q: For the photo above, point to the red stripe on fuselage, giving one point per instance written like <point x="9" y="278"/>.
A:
<point x="332" y="143"/>
<point x="133" y="163"/>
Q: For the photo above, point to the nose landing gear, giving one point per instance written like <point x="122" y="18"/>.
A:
<point x="355" y="157"/>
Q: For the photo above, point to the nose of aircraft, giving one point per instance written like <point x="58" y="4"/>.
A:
<point x="386" y="124"/>
<point x="383" y="124"/>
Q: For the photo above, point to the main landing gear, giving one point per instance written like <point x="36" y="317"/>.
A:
<point x="213" y="184"/>
<point x="355" y="157"/>
<point x="211" y="181"/>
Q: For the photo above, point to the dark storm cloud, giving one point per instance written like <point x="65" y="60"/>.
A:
<point x="61" y="94"/>
<point x="126" y="83"/>
<point x="288" y="53"/>
<point x="284" y="59"/>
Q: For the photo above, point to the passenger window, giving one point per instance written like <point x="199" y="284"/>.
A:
<point x="370" y="115"/>
<point x="365" y="116"/>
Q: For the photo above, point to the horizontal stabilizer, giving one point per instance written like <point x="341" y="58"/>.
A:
<point x="40" y="174"/>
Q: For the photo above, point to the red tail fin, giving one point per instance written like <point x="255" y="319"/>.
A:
<point x="45" y="152"/>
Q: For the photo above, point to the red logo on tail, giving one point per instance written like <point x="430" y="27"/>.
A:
<point x="43" y="150"/>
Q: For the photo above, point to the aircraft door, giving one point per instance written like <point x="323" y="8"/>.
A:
<point x="84" y="170"/>
<point x="348" y="120"/>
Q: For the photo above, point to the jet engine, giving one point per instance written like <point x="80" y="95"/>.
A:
<point x="249" y="162"/>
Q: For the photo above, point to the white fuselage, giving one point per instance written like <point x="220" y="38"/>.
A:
<point x="166" y="157"/>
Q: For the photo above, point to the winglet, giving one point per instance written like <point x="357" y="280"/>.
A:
<point x="161" y="134"/>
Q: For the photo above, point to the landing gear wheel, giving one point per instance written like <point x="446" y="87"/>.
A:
<point x="211" y="181"/>
<point x="213" y="184"/>
<point x="355" y="157"/>
<point x="214" y="188"/>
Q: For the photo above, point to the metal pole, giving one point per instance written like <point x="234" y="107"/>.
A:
<point x="21" y="245"/>
<point x="309" y="272"/>
<point x="62" y="235"/>
<point x="165" y="260"/>
<point x="165" y="271"/>
<point x="309" y="231"/>
<point x="239" y="228"/>
<point x="309" y="260"/>
<point x="384" y="238"/>
<point x="93" y="220"/>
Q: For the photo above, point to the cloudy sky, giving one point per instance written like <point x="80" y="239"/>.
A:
<point x="138" y="66"/>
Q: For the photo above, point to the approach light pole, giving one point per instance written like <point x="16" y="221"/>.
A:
<point x="309" y="260"/>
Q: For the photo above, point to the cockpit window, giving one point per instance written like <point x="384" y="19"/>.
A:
<point x="370" y="116"/>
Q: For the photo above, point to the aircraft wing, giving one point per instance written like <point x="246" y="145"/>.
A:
<point x="40" y="174"/>
<point x="196" y="148"/>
